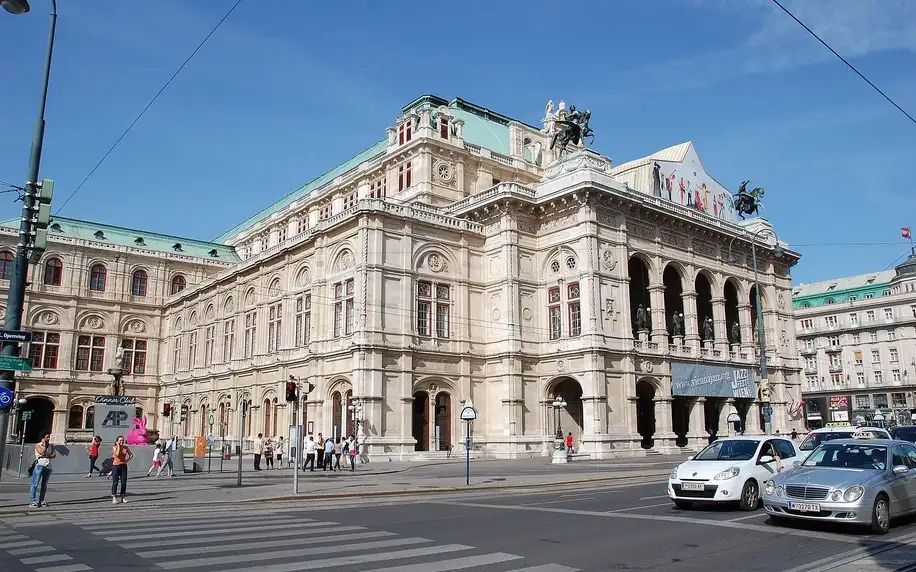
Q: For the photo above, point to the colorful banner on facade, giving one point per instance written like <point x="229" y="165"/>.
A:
<point x="701" y="380"/>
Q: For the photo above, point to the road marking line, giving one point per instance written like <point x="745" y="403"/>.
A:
<point x="31" y="550"/>
<point x="178" y="525"/>
<point x="22" y="543"/>
<point x="304" y="552"/>
<point x="547" y="568"/>
<point x="206" y="537"/>
<point x="319" y="538"/>
<point x="453" y="563"/>
<point x="109" y="524"/>
<point x="641" y="507"/>
<point x="65" y="568"/>
<point x="705" y="522"/>
<point x="141" y="533"/>
<point x="832" y="562"/>
<point x="653" y="498"/>
<point x="748" y="517"/>
<point x="46" y="559"/>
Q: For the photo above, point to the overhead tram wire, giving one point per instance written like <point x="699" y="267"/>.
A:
<point x="150" y="104"/>
<point x="842" y="59"/>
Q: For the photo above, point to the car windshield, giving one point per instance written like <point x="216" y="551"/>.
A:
<point x="855" y="456"/>
<point x="904" y="433"/>
<point x="816" y="439"/>
<point x="729" y="450"/>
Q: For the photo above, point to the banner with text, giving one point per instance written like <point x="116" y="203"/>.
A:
<point x="701" y="380"/>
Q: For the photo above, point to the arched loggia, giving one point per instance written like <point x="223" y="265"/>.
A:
<point x="674" y="301"/>
<point x="638" y="272"/>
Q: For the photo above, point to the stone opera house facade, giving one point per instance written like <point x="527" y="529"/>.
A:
<point x="459" y="258"/>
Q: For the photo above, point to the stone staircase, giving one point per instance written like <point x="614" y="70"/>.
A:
<point x="423" y="456"/>
<point x="651" y="452"/>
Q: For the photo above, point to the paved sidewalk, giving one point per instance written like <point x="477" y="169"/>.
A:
<point x="368" y="480"/>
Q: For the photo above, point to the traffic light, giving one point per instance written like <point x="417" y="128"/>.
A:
<point x="167" y="410"/>
<point x="41" y="211"/>
<point x="185" y="409"/>
<point x="291" y="392"/>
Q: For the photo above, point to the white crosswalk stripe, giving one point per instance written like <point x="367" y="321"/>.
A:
<point x="287" y="541"/>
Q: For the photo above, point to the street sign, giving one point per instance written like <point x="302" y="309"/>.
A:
<point x="6" y="398"/>
<point x="768" y="410"/>
<point x="15" y="336"/>
<point x="468" y="413"/>
<point x="10" y="363"/>
<point x="26" y="415"/>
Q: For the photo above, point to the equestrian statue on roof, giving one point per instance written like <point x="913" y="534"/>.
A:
<point x="571" y="129"/>
<point x="747" y="202"/>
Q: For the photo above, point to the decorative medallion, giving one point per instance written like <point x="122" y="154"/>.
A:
<point x="607" y="258"/>
<point x="526" y="314"/>
<point x="94" y="322"/>
<point x="781" y="302"/>
<point x="646" y="366"/>
<point x="344" y="261"/>
<point x="495" y="314"/>
<point x="561" y="365"/>
<point x="49" y="318"/>
<point x="304" y="277"/>
<point x="136" y="326"/>
<point x="445" y="173"/>
<point x="434" y="262"/>
<point x="274" y="289"/>
<point x="249" y="298"/>
<point x="230" y="305"/>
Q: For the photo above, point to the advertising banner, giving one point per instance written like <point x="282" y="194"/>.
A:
<point x="701" y="380"/>
<point x="114" y="417"/>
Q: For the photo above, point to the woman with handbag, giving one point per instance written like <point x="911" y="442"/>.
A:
<point x="41" y="471"/>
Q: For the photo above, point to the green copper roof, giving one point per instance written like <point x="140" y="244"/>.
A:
<point x="98" y="232"/>
<point x="842" y="289"/>
<point x="307" y="189"/>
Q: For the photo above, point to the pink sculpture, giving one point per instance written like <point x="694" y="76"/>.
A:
<point x="138" y="435"/>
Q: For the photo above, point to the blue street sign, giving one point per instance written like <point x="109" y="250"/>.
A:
<point x="6" y="398"/>
<point x="768" y="410"/>
<point x="15" y="336"/>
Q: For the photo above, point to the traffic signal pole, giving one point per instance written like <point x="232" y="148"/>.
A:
<point x="16" y="296"/>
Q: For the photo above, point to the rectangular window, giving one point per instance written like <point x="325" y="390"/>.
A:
<point x="858" y="357"/>
<point x="879" y="377"/>
<point x="895" y="376"/>
<point x="274" y="327"/>
<point x="854" y="319"/>
<point x="325" y="212"/>
<point x="553" y="313"/>
<point x="209" y="341"/>
<point x="192" y="350"/>
<point x="443" y="127"/>
<point x="811" y="364"/>
<point x="349" y="200"/>
<point x="891" y="335"/>
<point x="303" y="319"/>
<point x="134" y="356"/>
<point x="898" y="400"/>
<point x="434" y="309"/>
<point x="855" y="339"/>
<point x="251" y="333"/>
<point x="405" y="132"/>
<point x="880" y="400"/>
<point x="873" y="337"/>
<point x="870" y="316"/>
<point x="378" y="188"/>
<point x="875" y="356"/>
<point x="809" y="344"/>
<point x="862" y="401"/>
<point x="831" y="321"/>
<point x="44" y="350"/>
<point x="281" y="233"/>
<point x="176" y="353"/>
<point x="837" y="379"/>
<point x="895" y="357"/>
<point x="860" y="378"/>
<point x="807" y="324"/>
<point x="90" y="353"/>
<point x="833" y="341"/>
<point x="836" y="360"/>
<point x="404" y="176"/>
<point x="574" y="309"/>
<point x="812" y="381"/>
<point x="888" y="313"/>
<point x="302" y="224"/>
<point x="228" y="340"/>
<point x="343" y="308"/>
<point x="869" y="296"/>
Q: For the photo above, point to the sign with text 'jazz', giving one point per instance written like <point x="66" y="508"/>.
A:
<point x="701" y="380"/>
<point x="114" y="417"/>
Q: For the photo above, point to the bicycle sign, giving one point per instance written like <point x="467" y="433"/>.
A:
<point x="6" y="398"/>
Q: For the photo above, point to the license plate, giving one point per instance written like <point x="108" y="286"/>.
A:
<point x="692" y="486"/>
<point x="804" y="507"/>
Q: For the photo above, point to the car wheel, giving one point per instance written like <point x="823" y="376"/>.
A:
<point x="750" y="496"/>
<point x="683" y="505"/>
<point x="881" y="515"/>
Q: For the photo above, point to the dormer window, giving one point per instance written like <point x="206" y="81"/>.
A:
<point x="325" y="212"/>
<point x="177" y="247"/>
<point x="99" y="235"/>
<point x="56" y="227"/>
<point x="213" y="253"/>
<point x="405" y="132"/>
<point x="443" y="126"/>
<point x="139" y="241"/>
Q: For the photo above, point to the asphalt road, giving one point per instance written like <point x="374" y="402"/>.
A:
<point x="594" y="528"/>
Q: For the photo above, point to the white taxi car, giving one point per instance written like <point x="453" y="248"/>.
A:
<point x="732" y="470"/>
<point x="818" y="436"/>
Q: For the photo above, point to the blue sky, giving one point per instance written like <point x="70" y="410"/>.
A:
<point x="278" y="96"/>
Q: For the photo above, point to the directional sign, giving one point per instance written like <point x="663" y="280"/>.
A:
<point x="468" y="413"/>
<point x="6" y="398"/>
<point x="15" y="336"/>
<point x="10" y="363"/>
<point x="26" y="415"/>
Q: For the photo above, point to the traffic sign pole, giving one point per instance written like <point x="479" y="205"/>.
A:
<point x="468" y="415"/>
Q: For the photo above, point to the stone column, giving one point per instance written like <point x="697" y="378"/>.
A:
<point x="719" y="324"/>
<point x="697" y="437"/>
<point x="657" y="297"/>
<point x="664" y="428"/>
<point x="747" y="334"/>
<point x="691" y="334"/>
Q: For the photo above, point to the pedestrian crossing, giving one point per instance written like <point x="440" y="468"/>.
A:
<point x="232" y="540"/>
<point x="35" y="554"/>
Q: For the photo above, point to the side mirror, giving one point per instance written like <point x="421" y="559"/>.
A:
<point x="766" y="459"/>
<point x="690" y="458"/>
<point x="901" y="470"/>
<point x="796" y="464"/>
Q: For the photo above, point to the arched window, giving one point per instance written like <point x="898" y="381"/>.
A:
<point x="204" y="419"/>
<point x="6" y="265"/>
<point x="178" y="284"/>
<point x="54" y="272"/>
<point x="267" y="411"/>
<point x="90" y="417"/>
<point x="97" y="277"/>
<point x="138" y="283"/>
<point x="249" y="416"/>
<point x="75" y="419"/>
<point x="276" y="418"/>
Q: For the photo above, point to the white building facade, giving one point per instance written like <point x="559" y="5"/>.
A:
<point x="459" y="259"/>
<point x="857" y="346"/>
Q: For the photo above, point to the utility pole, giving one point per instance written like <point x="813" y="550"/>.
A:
<point x="36" y="216"/>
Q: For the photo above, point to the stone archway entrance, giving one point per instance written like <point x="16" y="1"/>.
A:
<point x="712" y="408"/>
<point x="645" y="413"/>
<point x="420" y="420"/>
<point x="442" y="430"/>
<point x="571" y="417"/>
<point x="41" y="420"/>
<point x="680" y="419"/>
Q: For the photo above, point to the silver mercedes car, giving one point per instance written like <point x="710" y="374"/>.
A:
<point x="856" y="481"/>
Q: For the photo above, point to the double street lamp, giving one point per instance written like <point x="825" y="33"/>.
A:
<point x="16" y="295"/>
<point x="356" y="408"/>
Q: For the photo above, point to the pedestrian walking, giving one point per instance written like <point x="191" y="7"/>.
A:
<point x="258" y="451"/>
<point x="309" y="454"/>
<point x="167" y="455"/>
<point x="41" y="471"/>
<point x="121" y="455"/>
<point x="329" y="454"/>
<point x="352" y="450"/>
<point x="338" y="450"/>
<point x="93" y="450"/>
<point x="157" y="460"/>
<point x="269" y="454"/>
<point x="320" y="448"/>
<point x="280" y="446"/>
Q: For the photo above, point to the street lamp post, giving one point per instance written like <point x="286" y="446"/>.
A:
<point x="761" y="328"/>
<point x="559" y="455"/>
<point x="16" y="295"/>
<point x="357" y="408"/>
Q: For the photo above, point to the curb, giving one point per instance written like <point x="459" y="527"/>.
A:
<point x="383" y="493"/>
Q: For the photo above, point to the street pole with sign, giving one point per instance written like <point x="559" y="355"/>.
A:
<point x="468" y="415"/>
<point x="26" y="415"/>
<point x="242" y="413"/>
<point x="209" y="439"/>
